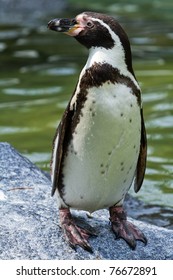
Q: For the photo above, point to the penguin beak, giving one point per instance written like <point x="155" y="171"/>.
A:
<point x="68" y="26"/>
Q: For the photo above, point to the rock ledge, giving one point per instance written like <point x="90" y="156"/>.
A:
<point x="29" y="226"/>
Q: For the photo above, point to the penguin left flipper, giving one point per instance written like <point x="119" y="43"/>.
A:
<point x="123" y="228"/>
<point x="58" y="149"/>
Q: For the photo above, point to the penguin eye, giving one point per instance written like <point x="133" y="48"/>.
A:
<point x="90" y="24"/>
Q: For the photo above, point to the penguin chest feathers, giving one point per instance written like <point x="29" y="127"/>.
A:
<point x="101" y="156"/>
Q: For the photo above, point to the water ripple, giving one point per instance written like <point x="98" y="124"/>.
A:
<point x="27" y="103"/>
<point x="59" y="71"/>
<point x="150" y="73"/>
<point x="161" y="122"/>
<point x="154" y="96"/>
<point x="26" y="54"/>
<point x="2" y="46"/>
<point x="38" y="157"/>
<point x="11" y="129"/>
<point x="32" y="91"/>
<point x="9" y="81"/>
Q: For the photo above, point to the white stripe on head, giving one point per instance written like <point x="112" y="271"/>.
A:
<point x="115" y="56"/>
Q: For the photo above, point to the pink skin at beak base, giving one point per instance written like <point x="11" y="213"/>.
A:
<point x="77" y="28"/>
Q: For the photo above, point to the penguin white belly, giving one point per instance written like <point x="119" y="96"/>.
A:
<point x="102" y="155"/>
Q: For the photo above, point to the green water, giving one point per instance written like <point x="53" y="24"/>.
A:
<point x="39" y="70"/>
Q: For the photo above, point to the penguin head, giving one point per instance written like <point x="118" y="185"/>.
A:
<point x="97" y="31"/>
<point x="91" y="30"/>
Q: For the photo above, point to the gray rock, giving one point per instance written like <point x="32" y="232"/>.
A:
<point x="29" y="226"/>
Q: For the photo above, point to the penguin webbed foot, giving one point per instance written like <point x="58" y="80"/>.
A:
<point x="75" y="234"/>
<point x="123" y="228"/>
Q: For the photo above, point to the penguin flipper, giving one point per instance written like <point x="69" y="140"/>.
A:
<point x="59" y="144"/>
<point x="141" y="164"/>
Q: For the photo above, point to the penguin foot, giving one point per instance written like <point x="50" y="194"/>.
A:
<point x="124" y="229"/>
<point x="75" y="234"/>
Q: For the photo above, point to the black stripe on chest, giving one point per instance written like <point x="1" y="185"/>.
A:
<point x="99" y="74"/>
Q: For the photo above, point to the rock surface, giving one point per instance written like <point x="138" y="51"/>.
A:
<point x="29" y="226"/>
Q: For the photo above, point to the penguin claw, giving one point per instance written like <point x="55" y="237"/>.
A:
<point x="124" y="229"/>
<point x="74" y="234"/>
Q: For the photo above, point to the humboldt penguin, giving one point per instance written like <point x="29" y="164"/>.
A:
<point x="100" y="144"/>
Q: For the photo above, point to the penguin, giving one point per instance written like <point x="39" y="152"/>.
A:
<point x="100" y="145"/>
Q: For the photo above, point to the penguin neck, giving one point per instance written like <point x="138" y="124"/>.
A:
<point x="114" y="57"/>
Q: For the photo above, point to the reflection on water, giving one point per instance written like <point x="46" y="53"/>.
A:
<point x="32" y="91"/>
<point x="39" y="70"/>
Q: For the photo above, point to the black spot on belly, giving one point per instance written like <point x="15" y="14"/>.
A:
<point x="122" y="115"/>
<point x="122" y="166"/>
<point x="129" y="170"/>
<point x="130" y="120"/>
